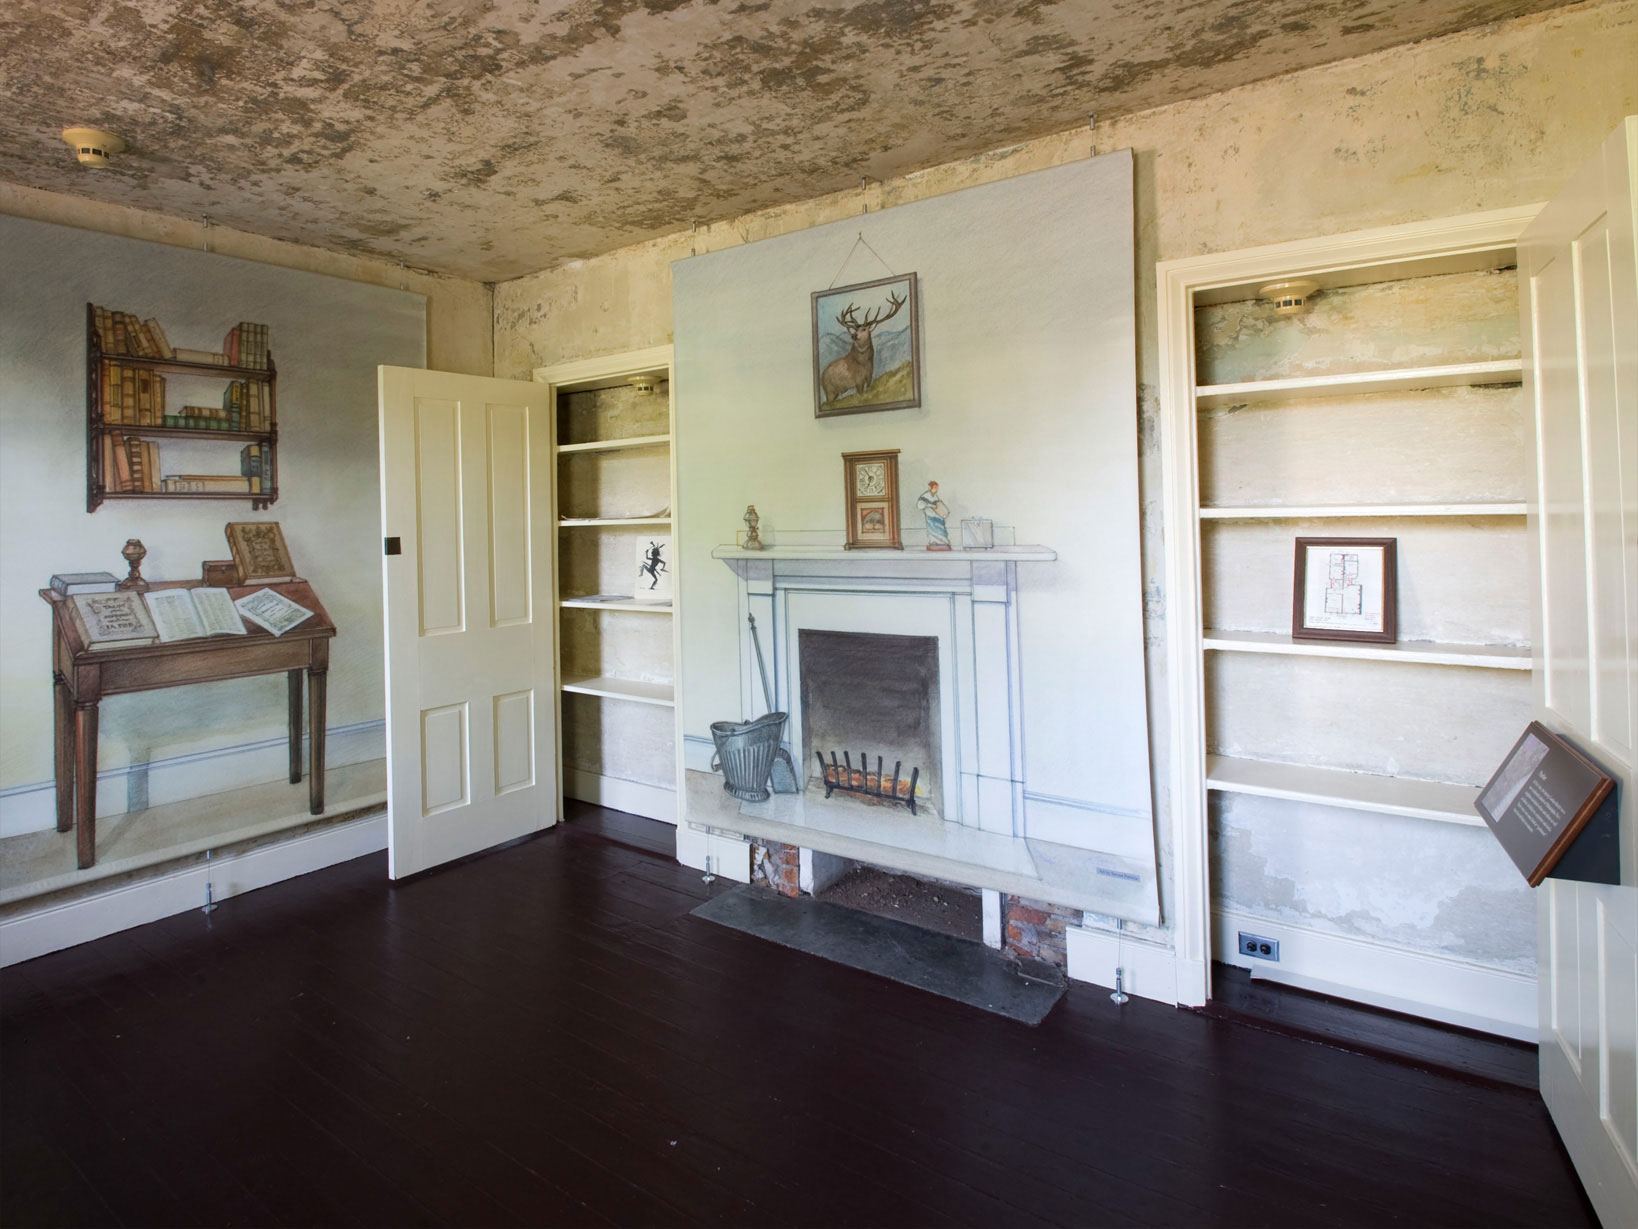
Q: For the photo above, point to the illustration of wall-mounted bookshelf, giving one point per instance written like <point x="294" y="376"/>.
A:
<point x="126" y="428"/>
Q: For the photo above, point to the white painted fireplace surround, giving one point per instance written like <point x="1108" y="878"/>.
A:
<point x="968" y="601"/>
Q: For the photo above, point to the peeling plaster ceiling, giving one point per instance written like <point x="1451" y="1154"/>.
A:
<point x="492" y="138"/>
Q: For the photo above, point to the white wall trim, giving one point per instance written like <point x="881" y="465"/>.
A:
<point x="1178" y="284"/>
<point x="633" y="797"/>
<point x="196" y="774"/>
<point x="54" y="927"/>
<point x="1148" y="970"/>
<point x="1443" y="988"/>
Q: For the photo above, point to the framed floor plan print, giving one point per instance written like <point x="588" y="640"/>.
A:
<point x="872" y="480"/>
<point x="1345" y="589"/>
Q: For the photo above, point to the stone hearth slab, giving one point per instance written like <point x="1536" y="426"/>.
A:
<point x="954" y="968"/>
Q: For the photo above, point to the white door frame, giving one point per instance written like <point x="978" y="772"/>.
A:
<point x="1457" y="244"/>
<point x="602" y="371"/>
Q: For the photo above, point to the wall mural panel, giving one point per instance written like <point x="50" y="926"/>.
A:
<point x="1002" y="543"/>
<point x="190" y="447"/>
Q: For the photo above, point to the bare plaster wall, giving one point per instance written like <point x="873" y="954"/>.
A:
<point x="1495" y="116"/>
<point x="459" y="312"/>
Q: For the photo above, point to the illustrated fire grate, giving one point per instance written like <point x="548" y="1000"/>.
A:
<point x="870" y="717"/>
<point x="844" y="776"/>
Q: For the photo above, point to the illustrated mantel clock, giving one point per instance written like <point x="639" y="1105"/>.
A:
<point x="872" y="500"/>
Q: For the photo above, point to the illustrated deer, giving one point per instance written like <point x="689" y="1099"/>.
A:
<point x="857" y="368"/>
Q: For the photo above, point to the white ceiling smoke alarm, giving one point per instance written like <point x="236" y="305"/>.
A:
<point x="93" y="146"/>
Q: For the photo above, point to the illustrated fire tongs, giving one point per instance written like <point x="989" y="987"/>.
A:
<point x="783" y="780"/>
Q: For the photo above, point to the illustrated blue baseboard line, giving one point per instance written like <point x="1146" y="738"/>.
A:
<point x="32" y="807"/>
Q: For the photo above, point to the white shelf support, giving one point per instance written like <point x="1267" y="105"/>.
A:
<point x="1393" y="379"/>
<point x="593" y="522"/>
<point x="636" y="690"/>
<point x="1354" y="791"/>
<point x="1315" y="512"/>
<point x="635" y="441"/>
<point x="1427" y="653"/>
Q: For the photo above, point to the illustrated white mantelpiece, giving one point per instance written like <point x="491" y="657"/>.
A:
<point x="968" y="601"/>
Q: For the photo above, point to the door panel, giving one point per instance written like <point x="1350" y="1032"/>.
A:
<point x="466" y="474"/>
<point x="1580" y="326"/>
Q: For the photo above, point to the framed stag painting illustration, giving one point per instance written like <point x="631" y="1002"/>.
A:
<point x="866" y="347"/>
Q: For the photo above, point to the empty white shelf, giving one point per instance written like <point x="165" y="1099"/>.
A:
<point x="576" y="603"/>
<point x="1423" y="652"/>
<point x="1393" y="379"/>
<point x="635" y="441"/>
<point x="1294" y="512"/>
<point x="623" y="689"/>
<point x="1354" y="791"/>
<point x="582" y="522"/>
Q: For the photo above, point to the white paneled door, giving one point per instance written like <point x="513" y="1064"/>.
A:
<point x="466" y="501"/>
<point x="1579" y="282"/>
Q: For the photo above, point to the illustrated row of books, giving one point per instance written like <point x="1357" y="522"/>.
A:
<point x="131" y="465"/>
<point x="247" y="403"/>
<point x="124" y="619"/>
<point x="246" y="343"/>
<point x="245" y="407"/>
<point x="132" y="396"/>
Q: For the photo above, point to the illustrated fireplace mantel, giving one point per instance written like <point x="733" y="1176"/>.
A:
<point x="969" y="601"/>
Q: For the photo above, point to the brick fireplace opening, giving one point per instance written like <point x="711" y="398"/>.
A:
<point x="870" y="714"/>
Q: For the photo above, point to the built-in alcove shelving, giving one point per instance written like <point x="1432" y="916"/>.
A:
<point x="1294" y="412"/>
<point x="615" y="483"/>
<point x="1326" y="788"/>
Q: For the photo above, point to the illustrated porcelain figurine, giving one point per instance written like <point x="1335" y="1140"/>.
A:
<point x="934" y="511"/>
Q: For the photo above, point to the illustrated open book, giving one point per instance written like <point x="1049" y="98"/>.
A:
<point x="187" y="614"/>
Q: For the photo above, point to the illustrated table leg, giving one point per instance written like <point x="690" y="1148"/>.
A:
<point x="295" y="726"/>
<point x="315" y="724"/>
<point x="63" y="751"/>
<point x="85" y="785"/>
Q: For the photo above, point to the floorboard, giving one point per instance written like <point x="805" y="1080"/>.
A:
<point x="545" y="1036"/>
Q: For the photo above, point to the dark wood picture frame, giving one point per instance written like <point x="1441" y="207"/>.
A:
<point x="842" y="382"/>
<point x="1384" y="631"/>
<point x="871" y="483"/>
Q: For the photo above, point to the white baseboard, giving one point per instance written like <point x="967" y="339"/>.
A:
<point x="1439" y="988"/>
<point x="726" y="856"/>
<point x="136" y="787"/>
<point x="54" y="927"/>
<point x="1148" y="970"/>
<point x="632" y="797"/>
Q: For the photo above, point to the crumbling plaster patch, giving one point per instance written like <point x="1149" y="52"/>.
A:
<point x="1258" y="164"/>
<point x="489" y="140"/>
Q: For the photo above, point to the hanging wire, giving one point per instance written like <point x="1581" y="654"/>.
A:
<point x="857" y="243"/>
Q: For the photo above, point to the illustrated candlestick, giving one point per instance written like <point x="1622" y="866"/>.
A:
<point x="134" y="553"/>
<point x="753" y="540"/>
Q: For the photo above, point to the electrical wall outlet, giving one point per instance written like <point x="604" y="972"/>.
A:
<point x="1261" y="948"/>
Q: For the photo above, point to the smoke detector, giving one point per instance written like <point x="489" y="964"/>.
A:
<point x="643" y="384"/>
<point x="1289" y="298"/>
<point x="93" y="146"/>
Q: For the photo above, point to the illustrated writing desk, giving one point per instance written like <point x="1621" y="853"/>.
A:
<point x="82" y="677"/>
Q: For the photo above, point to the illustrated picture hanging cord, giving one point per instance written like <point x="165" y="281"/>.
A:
<point x="891" y="271"/>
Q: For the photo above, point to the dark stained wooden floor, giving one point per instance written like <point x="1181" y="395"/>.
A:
<point x="545" y="1036"/>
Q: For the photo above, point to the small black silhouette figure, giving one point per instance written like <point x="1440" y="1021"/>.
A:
<point x="653" y="564"/>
